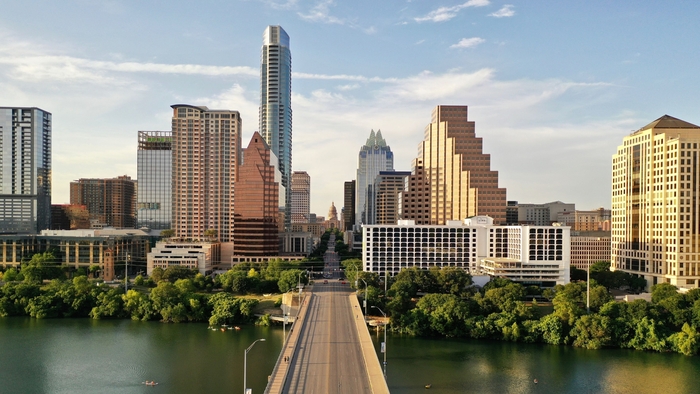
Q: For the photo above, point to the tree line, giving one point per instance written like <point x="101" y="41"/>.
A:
<point x="40" y="290"/>
<point x="443" y="302"/>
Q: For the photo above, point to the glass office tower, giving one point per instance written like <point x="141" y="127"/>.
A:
<point x="25" y="170"/>
<point x="276" y="107"/>
<point x="154" y="169"/>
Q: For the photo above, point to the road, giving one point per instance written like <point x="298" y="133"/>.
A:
<point x="328" y="358"/>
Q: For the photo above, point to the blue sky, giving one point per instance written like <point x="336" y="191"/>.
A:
<point x="552" y="86"/>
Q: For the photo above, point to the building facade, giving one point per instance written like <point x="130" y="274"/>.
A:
<point x="589" y="247"/>
<point x="155" y="176"/>
<point x="349" y="205"/>
<point x="200" y="256"/>
<point x="80" y="248"/>
<point x="301" y="197"/>
<point x="538" y="255"/>
<point x="375" y="156"/>
<point x="111" y="202"/>
<point x="25" y="170"/>
<point x="387" y="187"/>
<point x="596" y="220"/>
<point x="205" y="152"/>
<point x="462" y="183"/>
<point x="69" y="217"/>
<point x="655" y="221"/>
<point x="414" y="200"/>
<point x="276" y="106"/>
<point x="257" y="198"/>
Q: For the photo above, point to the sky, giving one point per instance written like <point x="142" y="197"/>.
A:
<point x="553" y="86"/>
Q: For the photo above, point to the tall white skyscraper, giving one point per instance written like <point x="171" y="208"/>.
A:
<point x="276" y="106"/>
<point x="375" y="156"/>
<point x="25" y="170"/>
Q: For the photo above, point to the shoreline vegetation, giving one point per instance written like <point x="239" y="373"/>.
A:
<point x="444" y="303"/>
<point x="173" y="295"/>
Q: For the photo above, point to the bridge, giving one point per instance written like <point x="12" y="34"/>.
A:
<point x="329" y="349"/>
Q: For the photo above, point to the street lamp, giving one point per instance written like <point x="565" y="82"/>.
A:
<point x="126" y="273"/>
<point x="365" y="294"/>
<point x="383" y="343"/>
<point x="245" y="365"/>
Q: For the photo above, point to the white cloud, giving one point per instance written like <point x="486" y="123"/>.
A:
<point x="468" y="42"/>
<point x="504" y="12"/>
<point x="443" y="14"/>
<point x="321" y="13"/>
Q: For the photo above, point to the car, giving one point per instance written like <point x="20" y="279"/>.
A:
<point x="325" y="282"/>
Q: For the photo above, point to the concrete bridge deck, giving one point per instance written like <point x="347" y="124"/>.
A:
<point x="329" y="349"/>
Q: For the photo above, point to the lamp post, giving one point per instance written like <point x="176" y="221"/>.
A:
<point x="588" y="285"/>
<point x="245" y="365"/>
<point x="383" y="343"/>
<point x="365" y="295"/>
<point x="126" y="273"/>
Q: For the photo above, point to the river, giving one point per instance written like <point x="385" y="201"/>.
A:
<point x="87" y="356"/>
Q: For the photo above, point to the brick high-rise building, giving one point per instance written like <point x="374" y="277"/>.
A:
<point x="301" y="197"/>
<point x="655" y="187"/>
<point x="25" y="170"/>
<point x="110" y="201"/>
<point x="205" y="154"/>
<point x="462" y="183"/>
<point x="257" y="198"/>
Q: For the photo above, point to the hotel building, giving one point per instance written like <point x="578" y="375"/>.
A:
<point x="459" y="174"/>
<point x="205" y="154"/>
<point x="25" y="170"/>
<point x="655" y="221"/>
<point x="538" y="255"/>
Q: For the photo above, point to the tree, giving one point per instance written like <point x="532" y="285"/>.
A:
<point x="591" y="332"/>
<point x="157" y="274"/>
<point x="662" y="291"/>
<point x="211" y="233"/>
<point x="290" y="278"/>
<point x="10" y="275"/>
<point x="167" y="233"/>
<point x="686" y="341"/>
<point x="452" y="280"/>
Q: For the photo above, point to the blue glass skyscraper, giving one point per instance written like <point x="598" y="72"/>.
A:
<point x="276" y="107"/>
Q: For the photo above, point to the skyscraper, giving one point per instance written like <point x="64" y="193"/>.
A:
<point x="348" y="205"/>
<point x="655" y="186"/>
<point x="25" y="170"/>
<point x="257" y="199"/>
<point x="375" y="156"/>
<point x="110" y="202"/>
<point x="462" y="183"/>
<point x="301" y="197"/>
<point x="276" y="106"/>
<point x="155" y="176"/>
<point x="386" y="190"/>
<point x="205" y="152"/>
<point x="414" y="200"/>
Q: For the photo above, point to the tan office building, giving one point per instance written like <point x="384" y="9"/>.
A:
<point x="596" y="220"/>
<point x="462" y="183"/>
<point x="301" y="196"/>
<point x="206" y="145"/>
<point x="655" y="209"/>
<point x="589" y="247"/>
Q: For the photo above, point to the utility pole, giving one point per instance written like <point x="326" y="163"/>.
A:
<point x="588" y="285"/>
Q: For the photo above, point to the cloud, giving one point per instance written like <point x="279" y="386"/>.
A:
<point x="505" y="12"/>
<point x="280" y="5"/>
<point x="321" y="13"/>
<point x="443" y="14"/>
<point x="468" y="42"/>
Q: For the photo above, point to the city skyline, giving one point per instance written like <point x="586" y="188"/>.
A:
<point x="562" y="83"/>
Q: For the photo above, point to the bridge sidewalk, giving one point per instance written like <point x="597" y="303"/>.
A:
<point x="374" y="368"/>
<point x="275" y="385"/>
